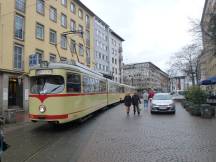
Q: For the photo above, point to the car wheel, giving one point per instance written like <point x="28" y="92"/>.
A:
<point x="152" y="112"/>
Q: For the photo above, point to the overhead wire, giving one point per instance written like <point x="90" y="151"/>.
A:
<point x="58" y="16"/>
<point x="76" y="32"/>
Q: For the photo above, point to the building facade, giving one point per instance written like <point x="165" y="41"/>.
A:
<point x="35" y="30"/>
<point x="178" y="83"/>
<point x="115" y="56"/>
<point x="145" y="75"/>
<point x="101" y="46"/>
<point x="208" y="25"/>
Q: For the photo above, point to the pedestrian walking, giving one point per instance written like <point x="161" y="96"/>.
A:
<point x="150" y="95"/>
<point x="145" y="99"/>
<point x="136" y="101"/>
<point x="127" y="102"/>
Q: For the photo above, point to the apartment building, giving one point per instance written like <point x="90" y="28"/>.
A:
<point x="101" y="46"/>
<point x="35" y="30"/>
<point x="116" y="58"/>
<point x="207" y="59"/>
<point x="145" y="75"/>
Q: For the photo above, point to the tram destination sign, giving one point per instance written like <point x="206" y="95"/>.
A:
<point x="43" y="72"/>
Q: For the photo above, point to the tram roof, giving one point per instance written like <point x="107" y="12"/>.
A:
<point x="59" y="65"/>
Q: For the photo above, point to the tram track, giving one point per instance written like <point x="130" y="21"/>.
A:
<point x="42" y="148"/>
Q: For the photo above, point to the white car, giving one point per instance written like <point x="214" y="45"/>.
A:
<point x="162" y="102"/>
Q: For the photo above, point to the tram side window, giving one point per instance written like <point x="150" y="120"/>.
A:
<point x="90" y="85"/>
<point x="102" y="86"/>
<point x="73" y="83"/>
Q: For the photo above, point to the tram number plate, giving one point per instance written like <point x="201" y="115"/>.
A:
<point x="44" y="72"/>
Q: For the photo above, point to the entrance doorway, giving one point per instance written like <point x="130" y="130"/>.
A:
<point x="15" y="93"/>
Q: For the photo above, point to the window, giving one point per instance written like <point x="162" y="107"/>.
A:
<point x="53" y="14"/>
<point x="90" y="85"/>
<point x="72" y="25"/>
<point x="40" y="6"/>
<point x="36" y="58"/>
<point x="113" y="60"/>
<point x="63" y="20"/>
<point x="99" y="55"/>
<point x="64" y="2"/>
<point x="63" y="59"/>
<point x="87" y="19"/>
<point x="19" y="27"/>
<point x="81" y="50"/>
<point x="18" y="54"/>
<point x="72" y="8"/>
<point x="88" y="58"/>
<point x="20" y="5"/>
<point x="80" y="13"/>
<point x="47" y="84"/>
<point x="73" y="83"/>
<point x="73" y="46"/>
<point x="39" y="31"/>
<point x="63" y="42"/>
<point x="53" y="36"/>
<point x="52" y="58"/>
<point x="80" y="29"/>
<point x="87" y="38"/>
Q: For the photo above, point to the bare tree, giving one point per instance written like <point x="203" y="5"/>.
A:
<point x="186" y="61"/>
<point x="196" y="31"/>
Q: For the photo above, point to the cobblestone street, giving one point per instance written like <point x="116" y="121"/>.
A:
<point x="111" y="136"/>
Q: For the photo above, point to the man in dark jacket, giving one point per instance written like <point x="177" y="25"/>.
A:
<point x="127" y="102"/>
<point x="136" y="101"/>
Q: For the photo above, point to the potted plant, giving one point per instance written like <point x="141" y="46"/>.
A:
<point x="197" y="97"/>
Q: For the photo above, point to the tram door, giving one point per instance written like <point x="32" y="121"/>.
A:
<point x="15" y="93"/>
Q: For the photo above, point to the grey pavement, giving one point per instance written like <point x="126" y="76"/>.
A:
<point x="112" y="136"/>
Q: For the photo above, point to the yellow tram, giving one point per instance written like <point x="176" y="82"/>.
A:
<point x="61" y="92"/>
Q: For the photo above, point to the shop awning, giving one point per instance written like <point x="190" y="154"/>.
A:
<point x="209" y="81"/>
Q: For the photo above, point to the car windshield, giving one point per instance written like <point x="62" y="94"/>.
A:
<point x="162" y="97"/>
<point x="48" y="84"/>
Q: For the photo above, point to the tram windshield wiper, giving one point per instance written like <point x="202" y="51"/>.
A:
<point x="55" y="89"/>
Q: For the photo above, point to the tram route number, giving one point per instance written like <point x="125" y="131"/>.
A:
<point x="44" y="72"/>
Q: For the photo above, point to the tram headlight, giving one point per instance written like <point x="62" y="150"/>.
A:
<point x="42" y="108"/>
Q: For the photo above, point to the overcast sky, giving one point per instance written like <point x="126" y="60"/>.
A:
<point x="153" y="29"/>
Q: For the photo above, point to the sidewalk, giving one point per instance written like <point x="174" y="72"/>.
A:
<point x="21" y="120"/>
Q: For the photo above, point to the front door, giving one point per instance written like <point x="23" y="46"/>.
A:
<point x="15" y="92"/>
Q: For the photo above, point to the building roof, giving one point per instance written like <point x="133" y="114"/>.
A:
<point x="115" y="34"/>
<point x="99" y="19"/>
<point x="84" y="6"/>
<point x="204" y="11"/>
<point x="150" y="63"/>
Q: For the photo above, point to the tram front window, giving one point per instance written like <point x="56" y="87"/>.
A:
<point x="47" y="84"/>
